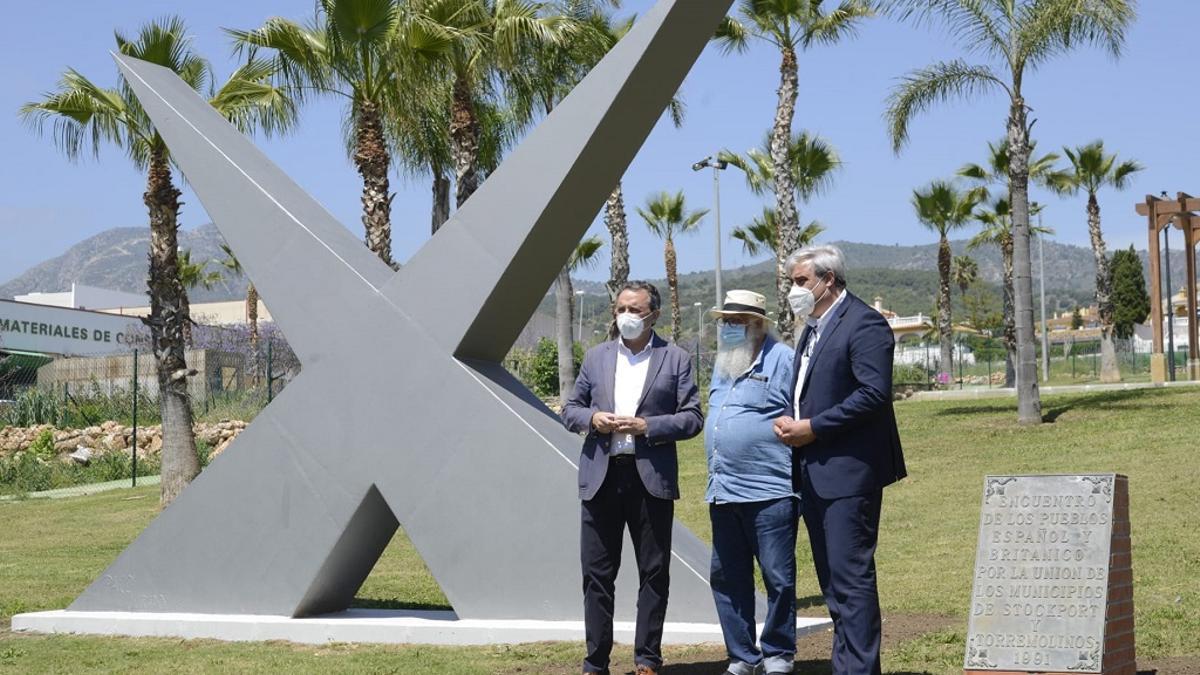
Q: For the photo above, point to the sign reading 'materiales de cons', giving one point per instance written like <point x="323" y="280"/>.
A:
<point x="59" y="330"/>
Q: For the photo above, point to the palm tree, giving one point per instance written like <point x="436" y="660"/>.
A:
<point x="360" y="51"/>
<point x="583" y="257"/>
<point x="942" y="207"/>
<point x="1019" y="36"/>
<point x="192" y="275"/>
<point x="811" y="163"/>
<point x="555" y="69"/>
<point x="666" y="215"/>
<point x="996" y="222"/>
<point x="788" y="26"/>
<point x="231" y="263"/>
<point x="760" y="235"/>
<point x="1092" y="169"/>
<point x="617" y="223"/>
<point x="1042" y="169"/>
<point x="965" y="272"/>
<point x="478" y="42"/>
<point x="86" y="116"/>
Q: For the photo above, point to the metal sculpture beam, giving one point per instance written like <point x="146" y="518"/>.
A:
<point x="403" y="414"/>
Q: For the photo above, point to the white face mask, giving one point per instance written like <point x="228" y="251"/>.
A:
<point x="803" y="301"/>
<point x="630" y="325"/>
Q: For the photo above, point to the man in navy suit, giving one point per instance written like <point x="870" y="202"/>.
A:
<point x="634" y="398"/>
<point x="846" y="445"/>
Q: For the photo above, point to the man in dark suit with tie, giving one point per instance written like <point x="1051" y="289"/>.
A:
<point x="846" y="445"/>
<point x="634" y="398"/>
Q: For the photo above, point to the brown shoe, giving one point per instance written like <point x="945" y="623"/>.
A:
<point x="646" y="670"/>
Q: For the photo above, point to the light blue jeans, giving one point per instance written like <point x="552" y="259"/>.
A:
<point x="742" y="533"/>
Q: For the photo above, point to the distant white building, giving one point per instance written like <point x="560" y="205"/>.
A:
<point x="85" y="297"/>
<point x="222" y="313"/>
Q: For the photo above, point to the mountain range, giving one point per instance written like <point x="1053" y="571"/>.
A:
<point x="904" y="276"/>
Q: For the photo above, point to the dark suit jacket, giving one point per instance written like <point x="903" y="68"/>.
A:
<point x="670" y="404"/>
<point x="847" y="394"/>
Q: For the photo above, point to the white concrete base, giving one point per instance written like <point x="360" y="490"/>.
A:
<point x="356" y="625"/>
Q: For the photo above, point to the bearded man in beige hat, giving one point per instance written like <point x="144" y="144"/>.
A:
<point x="751" y="502"/>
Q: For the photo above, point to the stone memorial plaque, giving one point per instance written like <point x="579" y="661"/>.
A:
<point x="1040" y="601"/>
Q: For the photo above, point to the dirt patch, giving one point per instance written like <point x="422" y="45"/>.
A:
<point x="1182" y="665"/>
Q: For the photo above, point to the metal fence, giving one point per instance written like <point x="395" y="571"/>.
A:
<point x="981" y="363"/>
<point x="71" y="426"/>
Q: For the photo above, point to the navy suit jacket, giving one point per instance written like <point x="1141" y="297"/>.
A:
<point x="847" y="395"/>
<point x="670" y="404"/>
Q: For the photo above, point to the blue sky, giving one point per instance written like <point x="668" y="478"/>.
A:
<point x="1144" y="106"/>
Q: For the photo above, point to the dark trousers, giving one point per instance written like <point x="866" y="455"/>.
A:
<point x="741" y="533"/>
<point x="843" y="533"/>
<point x="623" y="501"/>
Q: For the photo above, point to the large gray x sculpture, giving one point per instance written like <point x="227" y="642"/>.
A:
<point x="403" y="413"/>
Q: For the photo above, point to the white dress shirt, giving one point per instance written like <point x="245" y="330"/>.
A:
<point x="818" y="327"/>
<point x="627" y="390"/>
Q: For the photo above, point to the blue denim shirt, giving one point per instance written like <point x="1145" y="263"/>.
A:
<point x="746" y="463"/>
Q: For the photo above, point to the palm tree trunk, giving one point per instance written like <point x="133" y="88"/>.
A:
<point x="464" y="140"/>
<point x="563" y="320"/>
<point x="441" y="202"/>
<point x="618" y="266"/>
<point x="372" y="159"/>
<point x="673" y="285"/>
<point x="785" y="188"/>
<point x="1010" y="322"/>
<point x="185" y="303"/>
<point x="252" y="320"/>
<point x="945" y="329"/>
<point x="1029" y="401"/>
<point x="1109" y="371"/>
<point x="167" y="319"/>
<point x="618" y="231"/>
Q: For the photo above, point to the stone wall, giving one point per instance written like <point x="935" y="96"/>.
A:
<point x="113" y="437"/>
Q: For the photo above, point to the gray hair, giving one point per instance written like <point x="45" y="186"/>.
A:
<point x="824" y="259"/>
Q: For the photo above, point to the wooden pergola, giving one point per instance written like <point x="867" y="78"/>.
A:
<point x="1160" y="214"/>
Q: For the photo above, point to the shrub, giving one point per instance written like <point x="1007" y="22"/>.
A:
<point x="543" y="374"/>
<point x="33" y="407"/>
<point x="23" y="472"/>
<point x="909" y="374"/>
<point x="43" y="446"/>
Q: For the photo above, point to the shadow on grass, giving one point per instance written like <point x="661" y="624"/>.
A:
<point x="372" y="603"/>
<point x="810" y="601"/>
<point x="1110" y="400"/>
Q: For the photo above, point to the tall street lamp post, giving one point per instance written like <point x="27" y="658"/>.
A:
<point x="579" y="311"/>
<point x="718" y="165"/>
<point x="1041" y="236"/>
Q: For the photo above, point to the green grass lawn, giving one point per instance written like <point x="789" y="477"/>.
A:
<point x="50" y="550"/>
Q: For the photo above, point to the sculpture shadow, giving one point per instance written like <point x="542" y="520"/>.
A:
<point x="375" y="603"/>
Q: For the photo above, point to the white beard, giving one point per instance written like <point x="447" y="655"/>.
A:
<point x="733" y="361"/>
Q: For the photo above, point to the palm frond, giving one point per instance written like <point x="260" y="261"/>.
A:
<point x="732" y="36"/>
<point x="302" y="55"/>
<point x="250" y="101"/>
<point x="840" y="23"/>
<point x="921" y="89"/>
<point x="1051" y="27"/>
<point x="584" y="255"/>
<point x="979" y="26"/>
<point x="82" y="116"/>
